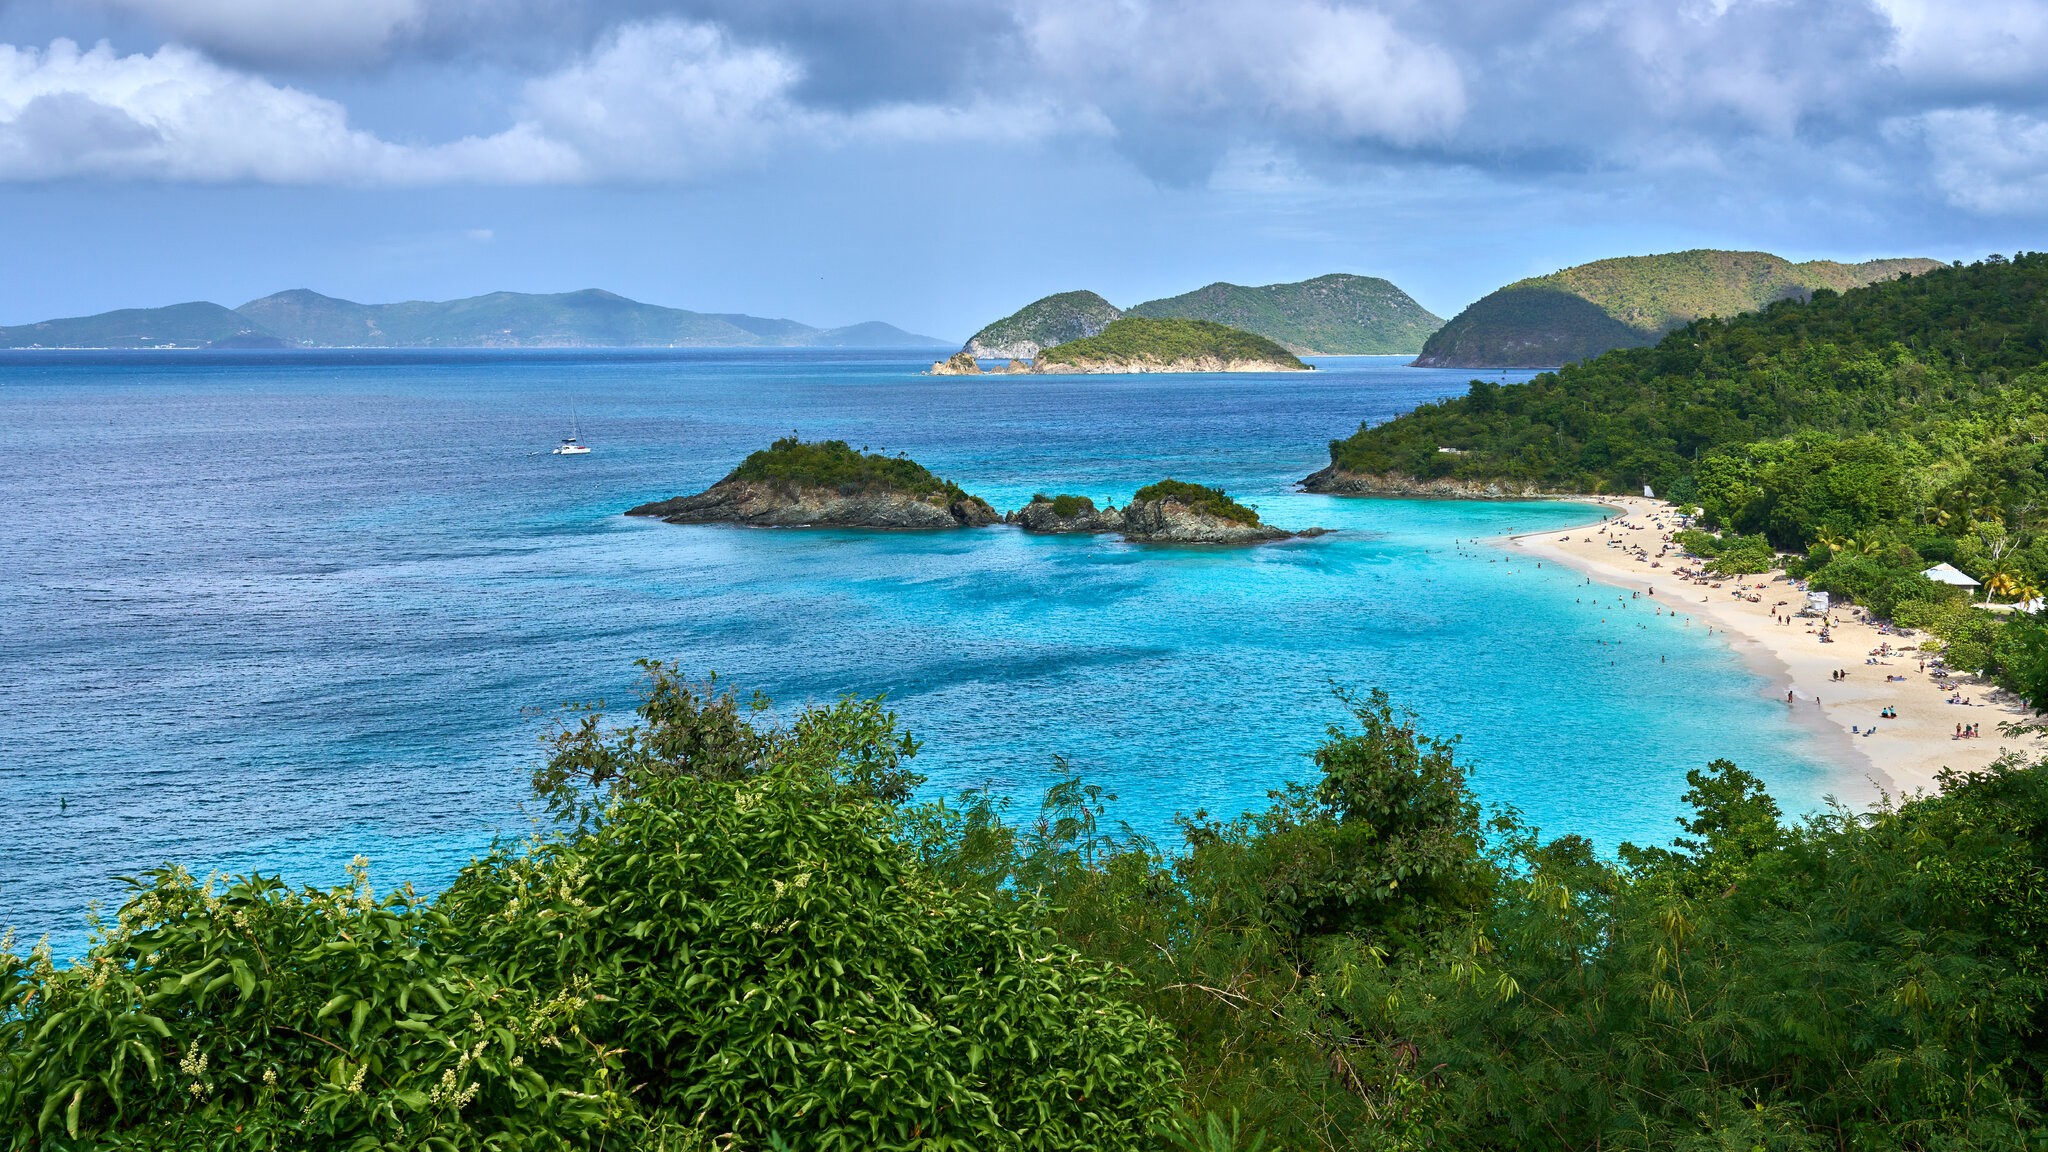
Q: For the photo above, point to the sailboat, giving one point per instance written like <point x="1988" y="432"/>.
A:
<point x="572" y="444"/>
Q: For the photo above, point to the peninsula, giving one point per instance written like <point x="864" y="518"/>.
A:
<point x="826" y="484"/>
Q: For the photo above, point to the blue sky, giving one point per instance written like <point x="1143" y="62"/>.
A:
<point x="936" y="163"/>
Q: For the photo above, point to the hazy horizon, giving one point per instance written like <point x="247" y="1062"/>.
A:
<point x="937" y="163"/>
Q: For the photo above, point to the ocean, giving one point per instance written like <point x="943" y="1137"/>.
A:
<point x="272" y="610"/>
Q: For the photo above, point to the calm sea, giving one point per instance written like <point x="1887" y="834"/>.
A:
<point x="272" y="610"/>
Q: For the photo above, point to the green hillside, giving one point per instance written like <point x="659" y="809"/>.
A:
<point x="1331" y="315"/>
<point x="1871" y="434"/>
<point x="1631" y="301"/>
<point x="1042" y="324"/>
<point x="194" y="325"/>
<point x="586" y="319"/>
<point x="1141" y="339"/>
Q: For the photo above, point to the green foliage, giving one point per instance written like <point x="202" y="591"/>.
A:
<point x="253" y="1016"/>
<point x="1728" y="555"/>
<point x="1630" y="301"/>
<point x="1136" y="339"/>
<point x="1198" y="497"/>
<point x="790" y="463"/>
<point x="1874" y="584"/>
<point x="741" y="941"/>
<point x="1877" y="431"/>
<point x="1065" y="505"/>
<point x="1048" y="321"/>
<point x="1330" y="315"/>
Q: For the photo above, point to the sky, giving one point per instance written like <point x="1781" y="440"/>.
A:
<point x="939" y="163"/>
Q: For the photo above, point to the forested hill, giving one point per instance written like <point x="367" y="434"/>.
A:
<point x="1910" y="360"/>
<point x="1631" y="301"/>
<point x="1335" y="315"/>
<point x="304" y="319"/>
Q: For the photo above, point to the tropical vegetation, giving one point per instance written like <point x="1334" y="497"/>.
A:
<point x="1139" y="340"/>
<point x="1333" y="315"/>
<point x="1869" y="434"/>
<point x="745" y="934"/>
<point x="790" y="464"/>
<point x="1631" y="301"/>
<point x="1043" y="323"/>
<point x="1199" y="497"/>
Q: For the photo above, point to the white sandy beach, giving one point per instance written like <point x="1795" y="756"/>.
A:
<point x="1632" y="551"/>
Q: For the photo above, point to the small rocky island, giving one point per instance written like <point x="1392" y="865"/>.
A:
<point x="827" y="484"/>
<point x="1136" y="344"/>
<point x="1169" y="512"/>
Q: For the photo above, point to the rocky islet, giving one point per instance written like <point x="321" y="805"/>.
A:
<point x="834" y="487"/>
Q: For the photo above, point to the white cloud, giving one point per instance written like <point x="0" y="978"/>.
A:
<point x="662" y="101"/>
<point x="291" y="31"/>
<point x="175" y="115"/>
<point x="1300" y="66"/>
<point x="1976" y="42"/>
<point x="673" y="99"/>
<point x="1985" y="160"/>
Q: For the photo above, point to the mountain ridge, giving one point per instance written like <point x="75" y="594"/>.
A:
<point x="1336" y="314"/>
<point x="303" y="318"/>
<point x="1577" y="313"/>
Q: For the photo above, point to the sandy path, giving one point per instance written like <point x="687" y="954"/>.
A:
<point x="1904" y="754"/>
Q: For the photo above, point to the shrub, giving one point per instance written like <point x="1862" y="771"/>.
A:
<point x="793" y="463"/>
<point x="1196" y="496"/>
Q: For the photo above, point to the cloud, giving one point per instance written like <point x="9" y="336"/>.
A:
<point x="1985" y="160"/>
<point x="175" y="115"/>
<point x="655" y="102"/>
<point x="1298" y="68"/>
<point x="282" y="31"/>
<point x="1873" y="99"/>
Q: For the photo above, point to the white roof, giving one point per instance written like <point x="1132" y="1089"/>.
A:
<point x="1949" y="574"/>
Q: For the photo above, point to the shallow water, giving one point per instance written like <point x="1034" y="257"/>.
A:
<point x="271" y="610"/>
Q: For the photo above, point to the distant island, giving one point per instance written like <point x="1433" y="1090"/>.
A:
<point x="1137" y="344"/>
<point x="1335" y="315"/>
<point x="829" y="484"/>
<point x="1331" y="315"/>
<point x="304" y="319"/>
<point x="1632" y="302"/>
<point x="1042" y="324"/>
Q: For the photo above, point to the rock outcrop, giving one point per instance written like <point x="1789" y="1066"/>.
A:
<point x="1334" y="481"/>
<point x="1065" y="514"/>
<point x="958" y="364"/>
<point x="1172" y="522"/>
<point x="780" y="506"/>
<point x="1143" y="365"/>
<point x="1158" y="521"/>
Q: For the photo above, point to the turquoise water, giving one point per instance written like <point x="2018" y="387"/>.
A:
<point x="271" y="610"/>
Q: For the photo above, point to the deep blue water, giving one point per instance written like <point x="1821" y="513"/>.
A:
<point x="271" y="610"/>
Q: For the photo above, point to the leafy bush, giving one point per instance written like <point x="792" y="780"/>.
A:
<point x="1138" y="338"/>
<point x="793" y="463"/>
<point x="738" y="943"/>
<point x="253" y="1016"/>
<point x="1874" y="584"/>
<point x="1198" y="497"/>
<point x="1728" y="555"/>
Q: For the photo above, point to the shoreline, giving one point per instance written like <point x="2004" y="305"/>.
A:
<point x="1904" y="754"/>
